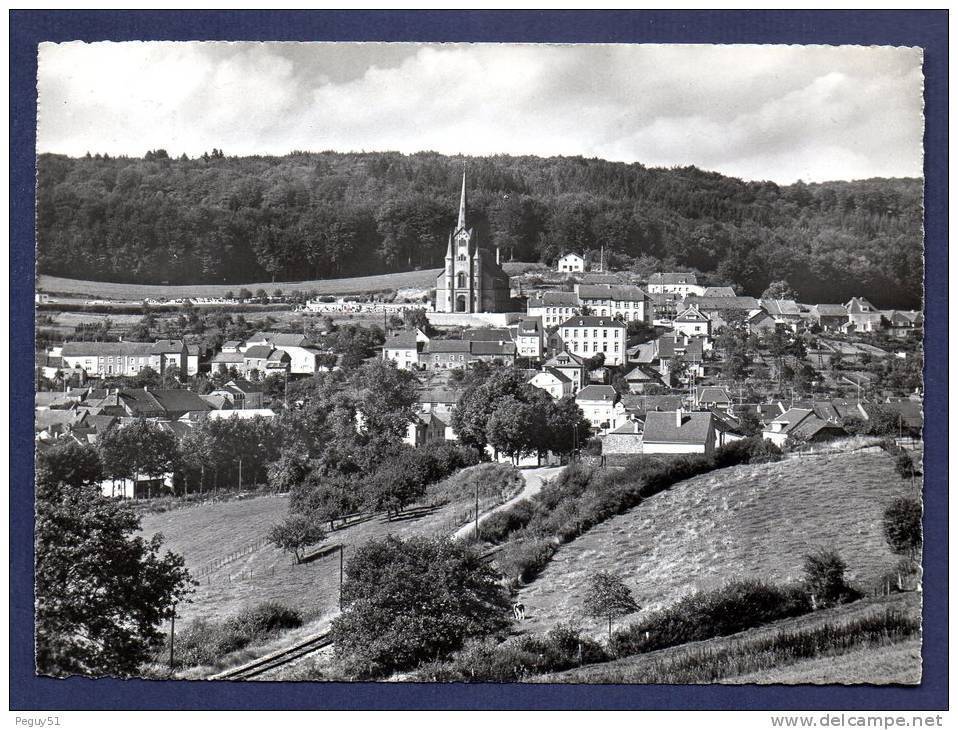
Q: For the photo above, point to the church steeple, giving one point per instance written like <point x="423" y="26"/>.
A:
<point x="462" y="202"/>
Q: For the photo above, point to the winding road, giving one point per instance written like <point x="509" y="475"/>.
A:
<point x="535" y="479"/>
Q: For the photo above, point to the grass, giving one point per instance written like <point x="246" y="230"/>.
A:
<point x="871" y="641"/>
<point x="753" y="521"/>
<point x="424" y="279"/>
<point x="211" y="531"/>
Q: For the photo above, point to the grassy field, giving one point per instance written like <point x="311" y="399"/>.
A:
<point x="889" y="662"/>
<point x="424" y="279"/>
<point x="752" y="521"/>
<point x="212" y="531"/>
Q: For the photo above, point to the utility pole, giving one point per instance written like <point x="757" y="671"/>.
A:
<point x="241" y="474"/>
<point x="172" y="633"/>
<point x="340" y="576"/>
<point x="477" y="510"/>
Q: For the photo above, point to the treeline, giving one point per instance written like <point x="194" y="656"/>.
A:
<point x="228" y="219"/>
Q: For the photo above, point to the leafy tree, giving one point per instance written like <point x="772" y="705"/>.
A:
<point x="102" y="591"/>
<point x="902" y="526"/>
<point x="514" y="427"/>
<point x="824" y="573"/>
<point x="290" y="469"/>
<point x="296" y="533"/>
<point x="779" y="290"/>
<point x="608" y="597"/>
<point x="142" y="448"/>
<point x="408" y="601"/>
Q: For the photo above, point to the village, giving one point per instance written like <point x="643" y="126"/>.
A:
<point x="666" y="365"/>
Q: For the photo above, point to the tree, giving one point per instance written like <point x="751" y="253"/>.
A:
<point x="141" y="448"/>
<point x="296" y="533"/>
<point x="608" y="597"/>
<point x="902" y="526"/>
<point x="407" y="601"/>
<point x="515" y="428"/>
<point x="779" y="290"/>
<point x="394" y="486"/>
<point x="481" y="399"/>
<point x="289" y="470"/>
<point x="824" y="573"/>
<point x="102" y="591"/>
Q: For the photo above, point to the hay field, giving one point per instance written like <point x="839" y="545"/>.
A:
<point x="753" y="521"/>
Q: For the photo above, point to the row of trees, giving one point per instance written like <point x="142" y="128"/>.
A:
<point x="321" y="215"/>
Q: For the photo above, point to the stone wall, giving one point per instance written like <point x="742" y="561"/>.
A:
<point x="477" y="319"/>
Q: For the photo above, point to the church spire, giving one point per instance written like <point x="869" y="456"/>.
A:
<point x="462" y="202"/>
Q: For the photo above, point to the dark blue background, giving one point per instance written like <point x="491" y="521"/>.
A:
<point x="927" y="29"/>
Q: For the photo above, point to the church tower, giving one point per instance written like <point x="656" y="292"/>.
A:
<point x="471" y="281"/>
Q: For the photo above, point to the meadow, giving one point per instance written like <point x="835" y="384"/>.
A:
<point x="755" y="521"/>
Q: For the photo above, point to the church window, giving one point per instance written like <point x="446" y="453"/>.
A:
<point x="460" y="280"/>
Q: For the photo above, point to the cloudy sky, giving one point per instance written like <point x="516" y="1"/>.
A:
<point x="758" y="112"/>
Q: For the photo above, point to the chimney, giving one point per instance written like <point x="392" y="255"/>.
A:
<point x="498" y="261"/>
<point x="678" y="417"/>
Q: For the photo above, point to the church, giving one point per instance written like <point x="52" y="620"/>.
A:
<point x="473" y="280"/>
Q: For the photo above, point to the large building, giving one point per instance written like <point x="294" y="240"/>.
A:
<point x="587" y="336"/>
<point x="472" y="280"/>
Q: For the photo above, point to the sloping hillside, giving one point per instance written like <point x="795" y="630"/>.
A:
<point x="752" y="521"/>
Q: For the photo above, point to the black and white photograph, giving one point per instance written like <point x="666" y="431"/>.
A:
<point x="479" y="362"/>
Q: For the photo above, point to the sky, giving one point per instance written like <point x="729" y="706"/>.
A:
<point x="778" y="113"/>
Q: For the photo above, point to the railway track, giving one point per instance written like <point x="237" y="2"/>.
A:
<point x="276" y="659"/>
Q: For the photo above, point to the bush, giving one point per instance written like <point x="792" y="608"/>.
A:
<point x="207" y="642"/>
<point x="562" y="648"/>
<point x="740" y="605"/>
<point x="824" y="572"/>
<point x="902" y="526"/>
<point x="521" y="560"/>
<point x="499" y="525"/>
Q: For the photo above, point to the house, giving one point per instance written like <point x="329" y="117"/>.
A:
<point x="784" y="311"/>
<point x="901" y="324"/>
<point x="692" y="323"/>
<point x="111" y="359"/>
<point x="255" y="358"/>
<point x="723" y="310"/>
<point x="830" y="316"/>
<point x="241" y="394"/>
<point x="570" y="366"/>
<point x="571" y="262"/>
<point x="672" y="283"/>
<point x="588" y="336"/>
<point x="679" y="432"/>
<point x="601" y="406"/>
<point x="718" y="291"/>
<point x="192" y="360"/>
<point x="303" y="357"/>
<point x="760" y="322"/>
<point x="404" y="349"/>
<point x="452" y="354"/>
<point x="553" y="307"/>
<point x="231" y="346"/>
<point x="628" y="303"/>
<point x="243" y="413"/>
<point x="664" y="308"/>
<point x="425" y="428"/>
<point x="712" y="396"/>
<point x="278" y="362"/>
<point x="801" y="424"/>
<point x="623" y="441"/>
<point x="553" y="382"/>
<point x="530" y="338"/>
<point x="659" y="354"/>
<point x="862" y="316"/>
<point x="225" y="361"/>
<point x="641" y="377"/>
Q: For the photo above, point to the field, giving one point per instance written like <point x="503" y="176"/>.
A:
<point x="752" y="521"/>
<point x="891" y="662"/>
<point x="213" y="531"/>
<point x="424" y="279"/>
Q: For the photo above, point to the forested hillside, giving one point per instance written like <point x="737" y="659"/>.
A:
<point x="233" y="220"/>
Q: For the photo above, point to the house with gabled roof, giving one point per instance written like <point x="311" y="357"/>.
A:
<point x="570" y="366"/>
<point x="642" y="377"/>
<point x="623" y="441"/>
<point x="801" y="424"/>
<point x="553" y="307"/>
<point x="674" y="283"/>
<point x="553" y="382"/>
<point x="601" y="406"/>
<point x="692" y="323"/>
<point x="626" y="302"/>
<point x="570" y="262"/>
<point x="404" y="349"/>
<point x="679" y="432"/>
<point x="712" y="396"/>
<point x="863" y="316"/>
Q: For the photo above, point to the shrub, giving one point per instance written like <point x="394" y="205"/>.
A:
<point x="521" y="560"/>
<point x="206" y="643"/>
<point x="499" y="525"/>
<point x="902" y="526"/>
<point x="264" y="619"/>
<point x="740" y="605"/>
<point x="824" y="573"/>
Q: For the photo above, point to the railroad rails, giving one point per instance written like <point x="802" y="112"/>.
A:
<point x="304" y="648"/>
<point x="276" y="659"/>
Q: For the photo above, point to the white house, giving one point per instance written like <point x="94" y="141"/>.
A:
<point x="628" y="303"/>
<point x="692" y="323"/>
<point x="530" y="338"/>
<point x="404" y="348"/>
<point x="553" y="382"/>
<point x="587" y="336"/>
<point x="570" y="366"/>
<point x="602" y="407"/>
<point x="672" y="283"/>
<point x="677" y="432"/>
<point x="553" y="307"/>
<point x="571" y="262"/>
<point x="303" y="357"/>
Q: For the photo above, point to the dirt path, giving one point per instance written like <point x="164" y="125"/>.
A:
<point x="535" y="478"/>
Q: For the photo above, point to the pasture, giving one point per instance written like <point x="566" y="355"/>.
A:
<point x="754" y="521"/>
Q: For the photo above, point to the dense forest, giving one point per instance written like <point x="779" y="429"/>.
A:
<point x="221" y="219"/>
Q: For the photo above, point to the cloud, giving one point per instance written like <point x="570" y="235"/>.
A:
<point x="757" y="112"/>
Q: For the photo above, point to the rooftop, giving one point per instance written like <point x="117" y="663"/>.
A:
<point x="661" y="427"/>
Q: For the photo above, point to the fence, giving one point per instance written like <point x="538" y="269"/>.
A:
<point x="214" y="565"/>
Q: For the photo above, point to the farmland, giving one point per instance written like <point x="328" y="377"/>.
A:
<point x="753" y="521"/>
<point x="889" y="662"/>
<point x="78" y="288"/>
